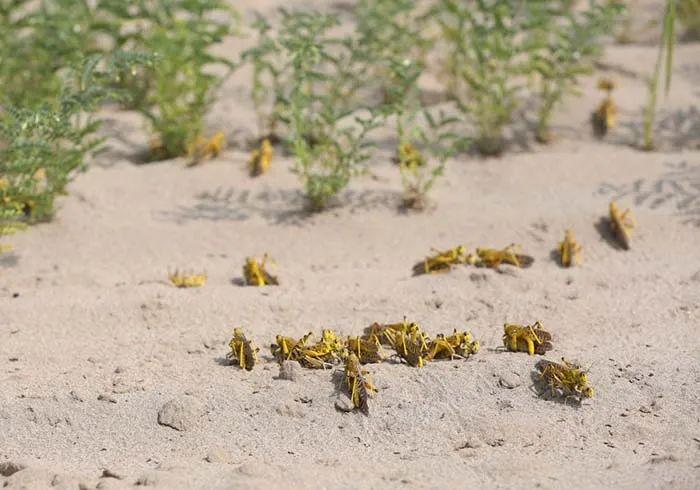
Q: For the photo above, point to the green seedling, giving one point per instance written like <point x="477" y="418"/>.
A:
<point x="175" y="92"/>
<point x="327" y="131"/>
<point x="40" y="149"/>
<point x="564" y="43"/>
<point x="485" y="63"/>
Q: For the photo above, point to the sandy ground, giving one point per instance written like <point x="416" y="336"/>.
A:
<point x="94" y="341"/>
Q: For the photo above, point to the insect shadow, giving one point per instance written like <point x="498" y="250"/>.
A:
<point x="606" y="233"/>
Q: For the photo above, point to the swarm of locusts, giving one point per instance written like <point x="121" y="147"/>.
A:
<point x="406" y="339"/>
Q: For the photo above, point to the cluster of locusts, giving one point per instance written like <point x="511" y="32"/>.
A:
<point x="406" y="340"/>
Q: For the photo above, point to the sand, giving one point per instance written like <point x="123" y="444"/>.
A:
<point x="94" y="341"/>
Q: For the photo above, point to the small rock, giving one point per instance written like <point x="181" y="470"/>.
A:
<point x="289" y="371"/>
<point x="344" y="404"/>
<point x="9" y="468"/>
<point x="180" y="413"/>
<point x="119" y="370"/>
<point x="478" y="277"/>
<point x="253" y="468"/>
<point x="509" y="381"/>
<point x="471" y="443"/>
<point x="216" y="456"/>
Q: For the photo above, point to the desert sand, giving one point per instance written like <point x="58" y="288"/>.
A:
<point x="94" y="341"/>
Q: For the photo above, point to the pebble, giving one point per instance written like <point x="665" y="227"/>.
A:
<point x="289" y="371"/>
<point x="509" y="381"/>
<point x="180" y="413"/>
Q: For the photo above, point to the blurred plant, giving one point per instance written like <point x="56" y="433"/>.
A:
<point x="39" y="39"/>
<point x="485" y="62"/>
<point x="421" y="137"/>
<point x="390" y="30"/>
<point x="327" y="132"/>
<point x="41" y="148"/>
<point x="664" y="66"/>
<point x="689" y="15"/>
<point x="564" y="43"/>
<point x="175" y="92"/>
<point x="268" y="69"/>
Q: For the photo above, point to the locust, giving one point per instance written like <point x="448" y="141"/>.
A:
<point x="382" y="333"/>
<point x="566" y="379"/>
<point x="605" y="116"/>
<point x="284" y="348"/>
<point x="367" y="350"/>
<point x="243" y="351"/>
<point x="203" y="148"/>
<point x="411" y="346"/>
<point x="409" y="156"/>
<point x="328" y="350"/>
<point x="621" y="225"/>
<point x="359" y="383"/>
<point x="187" y="280"/>
<point x="255" y="273"/>
<point x="569" y="250"/>
<point x="533" y="339"/>
<point x="441" y="261"/>
<point x="493" y="258"/>
<point x="261" y="159"/>
<point x="458" y="345"/>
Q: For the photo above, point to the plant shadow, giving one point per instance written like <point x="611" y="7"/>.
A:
<point x="283" y="206"/>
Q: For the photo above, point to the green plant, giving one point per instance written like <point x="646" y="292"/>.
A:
<point x="484" y="64"/>
<point x="388" y="31"/>
<point x="327" y="132"/>
<point x="424" y="142"/>
<point x="175" y="92"/>
<point x="664" y="66"/>
<point x="564" y="43"/>
<point x="40" y="149"/>
<point x="38" y="39"/>
<point x="267" y="81"/>
<point x="689" y="15"/>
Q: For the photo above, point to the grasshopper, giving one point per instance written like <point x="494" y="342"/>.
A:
<point x="411" y="346"/>
<point x="243" y="351"/>
<point x="458" y="345"/>
<point x="605" y="117"/>
<point x="284" y="348"/>
<point x="187" y="280"/>
<point x="569" y="250"/>
<point x="261" y="159"/>
<point x="442" y="261"/>
<point x="358" y="382"/>
<point x="203" y="148"/>
<point x="381" y="333"/>
<point x="565" y="379"/>
<point x="367" y="350"/>
<point x="533" y="339"/>
<point x="255" y="273"/>
<point x="493" y="258"/>
<point x="621" y="224"/>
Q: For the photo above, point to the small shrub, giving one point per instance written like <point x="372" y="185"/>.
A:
<point x="175" y="92"/>
<point x="564" y="43"/>
<point x="424" y="142"/>
<point x="38" y="40"/>
<point x="41" y="148"/>
<point x="327" y="133"/>
<point x="485" y="63"/>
